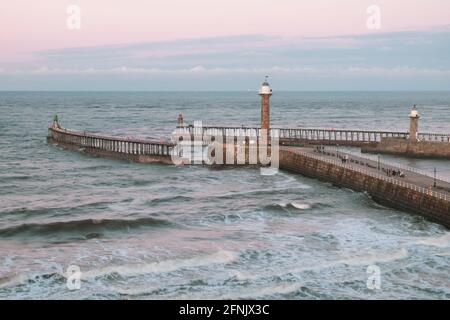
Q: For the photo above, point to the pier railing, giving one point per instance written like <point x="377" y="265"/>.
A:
<point x="375" y="175"/>
<point x="339" y="135"/>
<point x="311" y="134"/>
<point x="317" y="134"/>
<point x="434" y="137"/>
<point x="130" y="146"/>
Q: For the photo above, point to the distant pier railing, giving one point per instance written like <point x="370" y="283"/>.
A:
<point x="338" y="136"/>
<point x="434" y="137"/>
<point x="129" y="146"/>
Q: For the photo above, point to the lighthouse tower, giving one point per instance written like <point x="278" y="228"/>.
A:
<point x="265" y="92"/>
<point x="413" y="124"/>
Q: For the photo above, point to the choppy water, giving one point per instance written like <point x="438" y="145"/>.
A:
<point x="153" y="231"/>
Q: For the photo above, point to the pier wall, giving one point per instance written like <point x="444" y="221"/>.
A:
<point x="383" y="190"/>
<point x="112" y="154"/>
<point x="405" y="147"/>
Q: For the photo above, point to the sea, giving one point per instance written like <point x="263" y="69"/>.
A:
<point x="75" y="226"/>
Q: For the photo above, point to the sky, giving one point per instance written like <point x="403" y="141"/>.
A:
<point x="224" y="45"/>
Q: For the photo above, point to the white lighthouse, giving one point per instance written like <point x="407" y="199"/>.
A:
<point x="413" y="124"/>
<point x="265" y="92"/>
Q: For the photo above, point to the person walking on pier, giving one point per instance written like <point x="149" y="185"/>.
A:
<point x="344" y="159"/>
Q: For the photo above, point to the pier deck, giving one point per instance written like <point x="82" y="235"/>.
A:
<point x="411" y="176"/>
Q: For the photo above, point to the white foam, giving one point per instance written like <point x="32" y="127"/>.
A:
<point x="297" y="205"/>
<point x="228" y="194"/>
<point x="441" y="242"/>
<point x="301" y="206"/>
<point x="247" y="293"/>
<point x="445" y="254"/>
<point x="375" y="257"/>
<point x="263" y="291"/>
<point x="138" y="291"/>
<point x="12" y="280"/>
<point x="220" y="257"/>
<point x="362" y="260"/>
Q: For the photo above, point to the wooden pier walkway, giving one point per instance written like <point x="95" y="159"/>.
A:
<point x="138" y="150"/>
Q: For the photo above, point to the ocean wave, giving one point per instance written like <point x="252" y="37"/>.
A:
<point x="168" y="199"/>
<point x="358" y="260"/>
<point x="59" y="210"/>
<point x="146" y="290"/>
<point x="97" y="167"/>
<point x="288" y="206"/>
<point x="301" y="206"/>
<point x="444" y="254"/>
<point x="141" y="182"/>
<point x="129" y="270"/>
<point x="254" y="292"/>
<point x="375" y="257"/>
<point x="219" y="257"/>
<point x="441" y="241"/>
<point x="262" y="191"/>
<point x="17" y="177"/>
<point x="137" y="291"/>
<point x="12" y="280"/>
<point x="88" y="228"/>
<point x="18" y="279"/>
<point x="265" y="291"/>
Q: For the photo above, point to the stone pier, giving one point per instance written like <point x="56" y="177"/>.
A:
<point x="411" y="193"/>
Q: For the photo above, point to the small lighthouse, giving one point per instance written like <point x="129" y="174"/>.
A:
<point x="265" y="92"/>
<point x="55" y="122"/>
<point x="180" y="121"/>
<point x="413" y="124"/>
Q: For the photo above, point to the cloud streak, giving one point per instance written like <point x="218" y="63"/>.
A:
<point x="334" y="72"/>
<point x="417" y="49"/>
<point x="410" y="57"/>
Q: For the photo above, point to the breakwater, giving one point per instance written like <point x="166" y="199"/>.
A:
<point x="413" y="194"/>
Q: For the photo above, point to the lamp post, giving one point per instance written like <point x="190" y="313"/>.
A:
<point x="378" y="162"/>
<point x="434" y="177"/>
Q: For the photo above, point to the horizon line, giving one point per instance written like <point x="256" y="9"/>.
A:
<point x="249" y="91"/>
